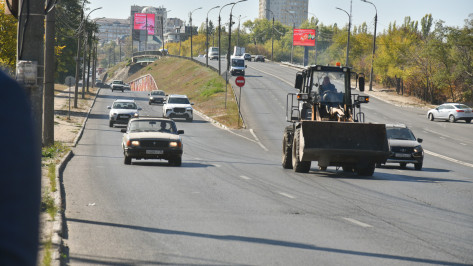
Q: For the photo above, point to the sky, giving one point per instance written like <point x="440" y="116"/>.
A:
<point x="452" y="12"/>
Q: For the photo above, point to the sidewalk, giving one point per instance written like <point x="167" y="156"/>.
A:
<point x="68" y="126"/>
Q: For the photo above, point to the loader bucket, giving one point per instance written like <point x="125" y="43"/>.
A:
<point x="342" y="143"/>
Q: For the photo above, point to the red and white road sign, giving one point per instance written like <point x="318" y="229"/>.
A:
<point x="240" y="81"/>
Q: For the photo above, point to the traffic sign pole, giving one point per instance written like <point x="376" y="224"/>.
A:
<point x="240" y="82"/>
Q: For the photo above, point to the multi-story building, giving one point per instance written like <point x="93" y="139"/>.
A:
<point x="112" y="29"/>
<point x="288" y="12"/>
<point x="141" y="35"/>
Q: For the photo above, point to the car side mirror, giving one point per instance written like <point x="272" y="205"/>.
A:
<point x="109" y="107"/>
<point x="299" y="81"/>
<point x="246" y="66"/>
<point x="123" y="130"/>
<point x="180" y="132"/>
<point x="420" y="140"/>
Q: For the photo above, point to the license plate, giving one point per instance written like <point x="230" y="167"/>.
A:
<point x="403" y="155"/>
<point x="154" y="152"/>
<point x="123" y="116"/>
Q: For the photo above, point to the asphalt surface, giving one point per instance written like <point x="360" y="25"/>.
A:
<point x="231" y="202"/>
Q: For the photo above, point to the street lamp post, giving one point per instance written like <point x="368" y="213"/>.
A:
<point x="238" y="32"/>
<point x="272" y="33"/>
<point x="374" y="43"/>
<point x="207" y="36"/>
<point x="293" y="26"/>
<point x="190" y="21"/>
<point x="316" y="37"/>
<point x="230" y="34"/>
<point x="348" y="41"/>
<point x="219" y="30"/>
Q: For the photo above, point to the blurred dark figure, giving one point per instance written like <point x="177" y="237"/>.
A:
<point x="20" y="177"/>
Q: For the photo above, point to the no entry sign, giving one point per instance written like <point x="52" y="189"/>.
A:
<point x="240" y="81"/>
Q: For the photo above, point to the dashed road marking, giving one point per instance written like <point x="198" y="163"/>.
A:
<point x="286" y="195"/>
<point x="245" y="177"/>
<point x="357" y="222"/>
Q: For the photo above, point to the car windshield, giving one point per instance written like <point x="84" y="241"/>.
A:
<point x="157" y="93"/>
<point x="461" y="106"/>
<point x="124" y="105"/>
<point x="399" y="133"/>
<point x="178" y="100"/>
<point x="153" y="126"/>
<point x="238" y="63"/>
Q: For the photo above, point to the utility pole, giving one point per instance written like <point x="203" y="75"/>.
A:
<point x="30" y="48"/>
<point x="84" y="55"/>
<point x="76" y="89"/>
<point x="49" y="67"/>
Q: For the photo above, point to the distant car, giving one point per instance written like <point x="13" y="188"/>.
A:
<point x="157" y="96"/>
<point x="122" y="111"/>
<point x="152" y="138"/>
<point x="259" y="58"/>
<point x="404" y="147"/>
<point x="117" y="85"/>
<point x="178" y="106"/>
<point x="451" y="112"/>
<point x="247" y="56"/>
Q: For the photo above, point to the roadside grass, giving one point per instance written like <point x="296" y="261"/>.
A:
<point x="47" y="205"/>
<point x="204" y="87"/>
<point x="47" y="259"/>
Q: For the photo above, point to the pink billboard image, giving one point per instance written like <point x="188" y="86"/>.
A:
<point x="304" y="37"/>
<point x="144" y="21"/>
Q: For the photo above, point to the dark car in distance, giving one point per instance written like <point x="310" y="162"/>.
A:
<point x="259" y="58"/>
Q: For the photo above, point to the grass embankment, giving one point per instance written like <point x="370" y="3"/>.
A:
<point x="204" y="87"/>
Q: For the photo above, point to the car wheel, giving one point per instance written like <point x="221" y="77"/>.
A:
<point x="189" y="119"/>
<point x="150" y="103"/>
<point x="418" y="166"/>
<point x="452" y="119"/>
<point x="127" y="160"/>
<point x="402" y="165"/>
<point x="431" y="117"/>
<point x="297" y="165"/>
<point x="175" y="161"/>
<point x="468" y="120"/>
<point x="110" y="123"/>
<point x="122" y="90"/>
<point x="367" y="170"/>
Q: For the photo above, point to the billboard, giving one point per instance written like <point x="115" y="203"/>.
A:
<point x="144" y="21"/>
<point x="304" y="37"/>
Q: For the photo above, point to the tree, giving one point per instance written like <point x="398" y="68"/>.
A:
<point x="7" y="40"/>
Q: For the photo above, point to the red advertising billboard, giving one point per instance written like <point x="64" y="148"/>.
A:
<point x="144" y="21"/>
<point x="304" y="37"/>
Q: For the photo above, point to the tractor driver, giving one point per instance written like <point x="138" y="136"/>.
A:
<point x="327" y="86"/>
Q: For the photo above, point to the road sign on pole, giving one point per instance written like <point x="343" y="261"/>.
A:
<point x="240" y="81"/>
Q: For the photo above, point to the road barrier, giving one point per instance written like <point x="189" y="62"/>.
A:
<point x="143" y="83"/>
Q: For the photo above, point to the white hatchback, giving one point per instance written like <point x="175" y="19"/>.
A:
<point x="451" y="112"/>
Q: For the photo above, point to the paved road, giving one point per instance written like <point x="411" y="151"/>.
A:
<point x="232" y="203"/>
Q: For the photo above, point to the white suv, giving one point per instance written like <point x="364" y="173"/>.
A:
<point x="178" y="106"/>
<point x="122" y="111"/>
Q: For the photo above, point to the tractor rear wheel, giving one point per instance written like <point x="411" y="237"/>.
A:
<point x="298" y="165"/>
<point x="286" y="151"/>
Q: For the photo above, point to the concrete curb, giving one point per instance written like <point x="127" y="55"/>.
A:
<point x="58" y="225"/>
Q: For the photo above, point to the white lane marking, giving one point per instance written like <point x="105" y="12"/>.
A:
<point x="245" y="177"/>
<point x="286" y="195"/>
<point x="357" y="222"/>
<point x="443" y="138"/>
<point x="463" y="144"/>
<point x="257" y="140"/>
<point x="448" y="158"/>
<point x="217" y="165"/>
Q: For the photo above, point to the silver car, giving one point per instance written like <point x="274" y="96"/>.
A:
<point x="451" y="112"/>
<point x="122" y="111"/>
